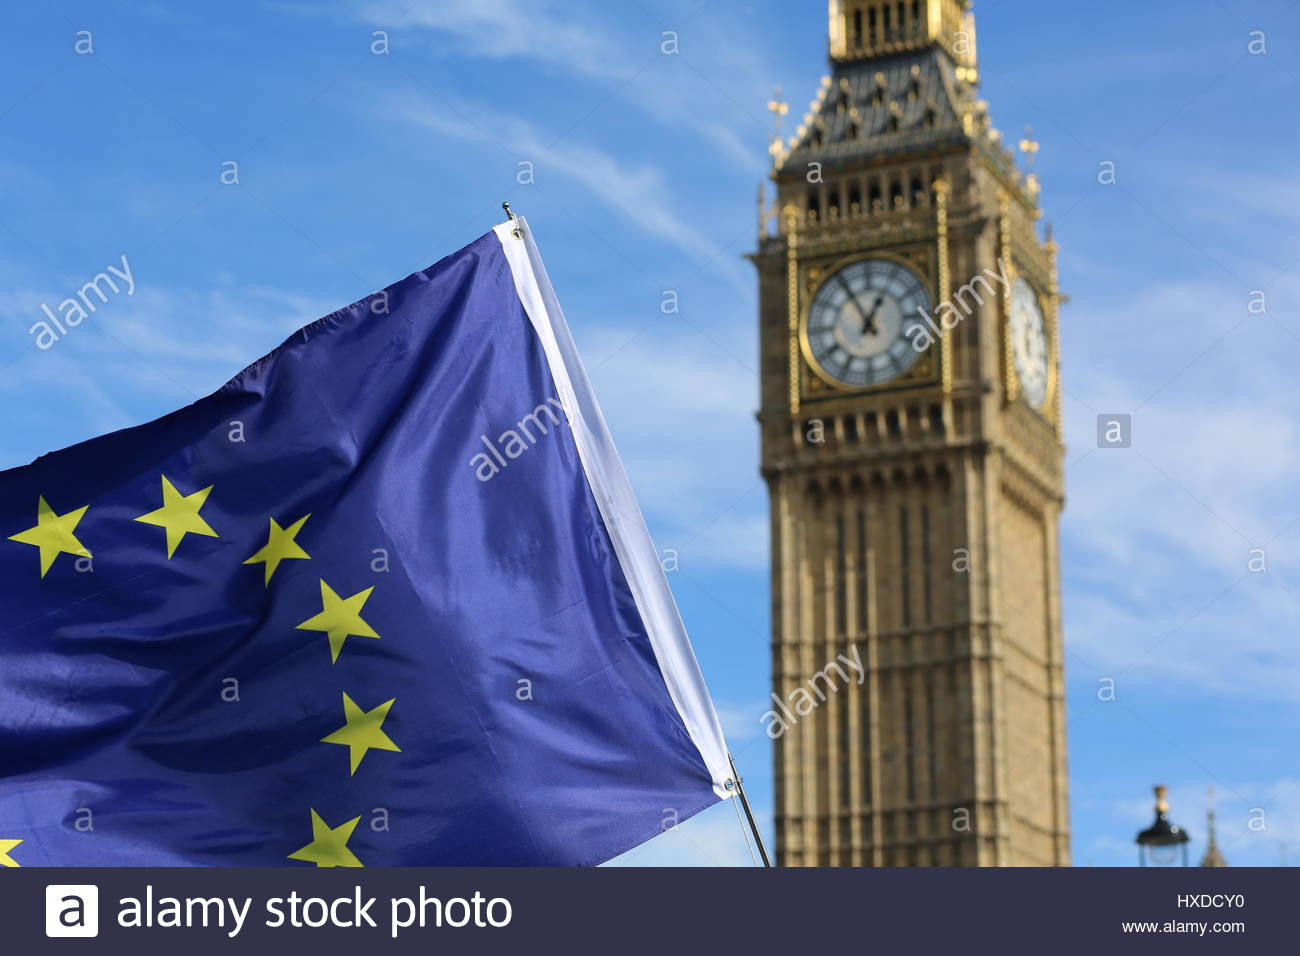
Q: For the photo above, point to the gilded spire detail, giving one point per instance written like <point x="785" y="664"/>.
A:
<point x="1213" y="856"/>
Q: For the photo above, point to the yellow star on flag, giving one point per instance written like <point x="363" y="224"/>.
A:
<point x="5" y="847"/>
<point x="280" y="546"/>
<point x="340" y="618"/>
<point x="179" y="515"/>
<point x="328" y="846"/>
<point x="53" y="534"/>
<point x="363" y="731"/>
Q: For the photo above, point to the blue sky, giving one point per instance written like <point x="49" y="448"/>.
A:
<point x="356" y="168"/>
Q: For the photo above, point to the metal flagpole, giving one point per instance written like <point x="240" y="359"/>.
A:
<point x="749" y="814"/>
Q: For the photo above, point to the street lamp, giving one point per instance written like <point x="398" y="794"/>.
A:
<point x="1162" y="840"/>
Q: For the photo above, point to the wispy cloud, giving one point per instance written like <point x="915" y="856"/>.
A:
<point x="683" y="92"/>
<point x="638" y="192"/>
<point x="541" y="30"/>
<point x="1160" y="538"/>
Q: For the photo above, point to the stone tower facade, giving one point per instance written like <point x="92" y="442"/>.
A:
<point x="911" y="435"/>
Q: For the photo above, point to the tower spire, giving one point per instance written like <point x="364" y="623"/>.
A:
<point x="1213" y="857"/>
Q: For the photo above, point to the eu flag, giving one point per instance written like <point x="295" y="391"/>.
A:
<point x="386" y="598"/>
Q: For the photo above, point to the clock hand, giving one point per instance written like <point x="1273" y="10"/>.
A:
<point x="854" y="300"/>
<point x="869" y="325"/>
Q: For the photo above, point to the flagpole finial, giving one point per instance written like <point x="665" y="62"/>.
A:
<point x="517" y="232"/>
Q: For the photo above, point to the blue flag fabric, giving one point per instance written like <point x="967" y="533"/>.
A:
<point x="383" y="599"/>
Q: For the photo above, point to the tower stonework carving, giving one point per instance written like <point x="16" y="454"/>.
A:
<point x="911" y="436"/>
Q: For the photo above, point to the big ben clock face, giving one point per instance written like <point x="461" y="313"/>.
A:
<point x="1029" y="343"/>
<point x="863" y="321"/>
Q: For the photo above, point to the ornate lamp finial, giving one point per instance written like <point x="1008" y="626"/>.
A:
<point x="1162" y="799"/>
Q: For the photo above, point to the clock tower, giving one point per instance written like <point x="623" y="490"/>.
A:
<point x="911" y="435"/>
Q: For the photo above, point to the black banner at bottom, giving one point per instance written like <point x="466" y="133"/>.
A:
<point x="659" y="911"/>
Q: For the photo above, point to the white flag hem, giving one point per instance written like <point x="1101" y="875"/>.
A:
<point x="618" y="506"/>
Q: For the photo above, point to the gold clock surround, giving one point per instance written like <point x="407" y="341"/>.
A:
<point x="1046" y="307"/>
<point x="1048" y="297"/>
<point x="821" y="384"/>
